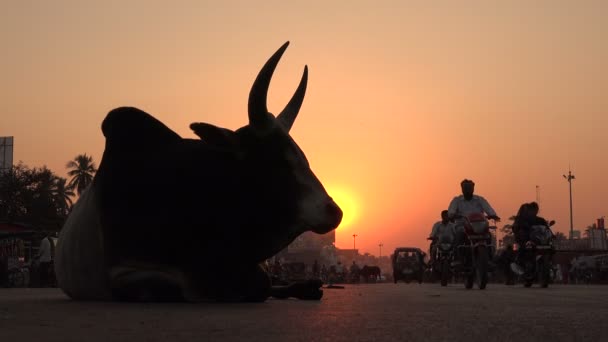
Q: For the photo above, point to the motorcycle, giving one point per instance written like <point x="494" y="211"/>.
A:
<point x="476" y="250"/>
<point x="444" y="254"/>
<point x="538" y="255"/>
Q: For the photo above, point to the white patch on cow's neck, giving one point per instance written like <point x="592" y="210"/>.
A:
<point x="79" y="258"/>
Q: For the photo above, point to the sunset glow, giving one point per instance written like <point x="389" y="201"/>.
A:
<point x="404" y="99"/>
<point x="347" y="201"/>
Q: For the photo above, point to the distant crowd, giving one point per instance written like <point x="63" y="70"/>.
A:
<point x="284" y="272"/>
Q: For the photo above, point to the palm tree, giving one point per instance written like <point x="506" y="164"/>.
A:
<point x="14" y="193"/>
<point x="82" y="169"/>
<point x="44" y="211"/>
<point x="587" y="232"/>
<point x="62" y="194"/>
<point x="507" y="229"/>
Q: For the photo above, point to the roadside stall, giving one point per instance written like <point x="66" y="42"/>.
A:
<point x="15" y="255"/>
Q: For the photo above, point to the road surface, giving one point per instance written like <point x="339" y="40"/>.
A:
<point x="373" y="312"/>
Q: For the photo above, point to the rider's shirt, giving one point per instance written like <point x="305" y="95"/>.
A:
<point x="440" y="229"/>
<point x="477" y="204"/>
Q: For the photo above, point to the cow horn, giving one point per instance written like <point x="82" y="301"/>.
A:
<point x="289" y="114"/>
<point x="258" y="111"/>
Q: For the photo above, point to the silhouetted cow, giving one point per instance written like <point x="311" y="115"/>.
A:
<point x="168" y="218"/>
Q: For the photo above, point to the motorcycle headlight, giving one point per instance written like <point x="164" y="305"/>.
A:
<point x="479" y="227"/>
<point x="445" y="246"/>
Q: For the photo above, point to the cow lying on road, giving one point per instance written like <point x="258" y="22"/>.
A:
<point x="174" y="219"/>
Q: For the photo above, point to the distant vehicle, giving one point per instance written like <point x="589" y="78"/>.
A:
<point x="408" y="264"/>
<point x="370" y="273"/>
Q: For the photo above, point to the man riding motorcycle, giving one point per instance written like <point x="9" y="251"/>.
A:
<point x="440" y="228"/>
<point x="466" y="204"/>
<point x="527" y="216"/>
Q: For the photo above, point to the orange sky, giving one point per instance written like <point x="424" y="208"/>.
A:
<point x="405" y="99"/>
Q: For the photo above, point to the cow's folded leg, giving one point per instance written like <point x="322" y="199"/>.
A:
<point x="257" y="285"/>
<point x="306" y="290"/>
<point x="237" y="284"/>
<point x="145" y="285"/>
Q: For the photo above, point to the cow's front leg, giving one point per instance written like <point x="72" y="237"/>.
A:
<point x="242" y="283"/>
<point x="305" y="289"/>
<point x="256" y="285"/>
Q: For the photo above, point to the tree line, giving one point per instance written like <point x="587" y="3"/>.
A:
<point x="39" y="198"/>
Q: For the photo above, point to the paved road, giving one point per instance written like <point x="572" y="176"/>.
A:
<point x="375" y="312"/>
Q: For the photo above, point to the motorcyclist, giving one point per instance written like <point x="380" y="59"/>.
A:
<point x="538" y="220"/>
<point x="466" y="204"/>
<point x="440" y="228"/>
<point x="527" y="216"/>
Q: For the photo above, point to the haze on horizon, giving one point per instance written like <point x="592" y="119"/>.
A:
<point x="405" y="98"/>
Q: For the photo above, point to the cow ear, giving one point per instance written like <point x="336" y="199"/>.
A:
<point x="214" y="135"/>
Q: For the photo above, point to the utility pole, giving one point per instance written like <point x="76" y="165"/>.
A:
<point x="380" y="245"/>
<point x="538" y="196"/>
<point x="354" y="237"/>
<point x="569" y="178"/>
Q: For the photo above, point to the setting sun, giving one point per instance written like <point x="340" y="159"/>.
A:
<point x="347" y="202"/>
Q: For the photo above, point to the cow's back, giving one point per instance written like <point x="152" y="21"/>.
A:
<point x="79" y="259"/>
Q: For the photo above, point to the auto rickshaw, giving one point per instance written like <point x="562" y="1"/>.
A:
<point x="408" y="264"/>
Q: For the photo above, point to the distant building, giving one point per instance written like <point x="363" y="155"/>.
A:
<point x="575" y="234"/>
<point x="347" y="256"/>
<point x="597" y="238"/>
<point x="312" y="241"/>
<point x="571" y="244"/>
<point x="309" y="247"/>
<point x="6" y="153"/>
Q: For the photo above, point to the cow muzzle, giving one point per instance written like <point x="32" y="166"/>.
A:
<point x="332" y="215"/>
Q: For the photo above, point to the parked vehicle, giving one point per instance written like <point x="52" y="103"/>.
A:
<point x="408" y="264"/>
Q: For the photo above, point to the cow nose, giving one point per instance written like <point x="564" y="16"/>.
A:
<point x="334" y="212"/>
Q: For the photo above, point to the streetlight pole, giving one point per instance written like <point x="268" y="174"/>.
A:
<point x="569" y="178"/>
<point x="380" y="245"/>
<point x="354" y="237"/>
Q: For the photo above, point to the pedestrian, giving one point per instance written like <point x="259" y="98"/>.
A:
<point x="45" y="260"/>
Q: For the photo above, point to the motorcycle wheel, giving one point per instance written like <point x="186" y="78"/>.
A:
<point x="469" y="280"/>
<point x="531" y="270"/>
<point x="445" y="268"/>
<point x="481" y="267"/>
